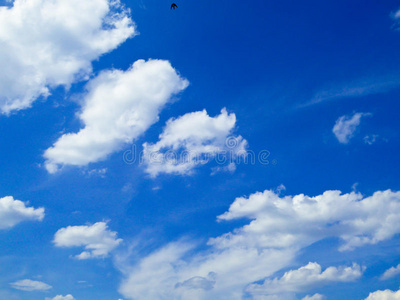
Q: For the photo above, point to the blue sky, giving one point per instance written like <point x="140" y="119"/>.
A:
<point x="310" y="88"/>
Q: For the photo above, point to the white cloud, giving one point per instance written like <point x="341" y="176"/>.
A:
<point x="119" y="106"/>
<point x="295" y="220"/>
<point x="305" y="278"/>
<point x="392" y="272"/>
<point x="371" y="139"/>
<point x="30" y="285"/>
<point x="359" y="88"/>
<point x="346" y="126"/>
<point x="198" y="282"/>
<point x="396" y="18"/>
<point x="48" y="43"/>
<point x="384" y="295"/>
<point x="97" y="239"/>
<point x="314" y="297"/>
<point x="60" y="297"/>
<point x="192" y="140"/>
<point x="279" y="227"/>
<point x="13" y="212"/>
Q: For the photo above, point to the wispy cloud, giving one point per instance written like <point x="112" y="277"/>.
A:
<point x="278" y="227"/>
<point x="360" y="89"/>
<point x="345" y="126"/>
<point x="392" y="272"/>
<point x="30" y="285"/>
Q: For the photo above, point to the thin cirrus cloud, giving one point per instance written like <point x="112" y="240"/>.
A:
<point x="396" y="18"/>
<point x="45" y="44"/>
<point x="279" y="227"/>
<point x="190" y="141"/>
<point x="118" y="107"/>
<point x="97" y="239"/>
<point x="305" y="278"/>
<point x="346" y="126"/>
<point x="358" y="89"/>
<point x="29" y="285"/>
<point x="14" y="211"/>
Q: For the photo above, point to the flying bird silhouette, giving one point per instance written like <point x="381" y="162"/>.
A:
<point x="173" y="6"/>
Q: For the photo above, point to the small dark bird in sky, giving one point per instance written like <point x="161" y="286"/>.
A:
<point x="173" y="6"/>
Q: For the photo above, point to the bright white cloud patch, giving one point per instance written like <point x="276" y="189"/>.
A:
<point x="13" y="212"/>
<point x="279" y="227"/>
<point x="192" y="140"/>
<point x="346" y="126"/>
<point x="304" y="279"/>
<point x="119" y="106"/>
<point x="97" y="239"/>
<point x="30" y="285"/>
<point x="384" y="295"/>
<point x="392" y="272"/>
<point x="60" y="297"/>
<point x="47" y="43"/>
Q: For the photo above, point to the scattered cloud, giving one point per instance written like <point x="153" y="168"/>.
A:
<point x="358" y="89"/>
<point x="119" y="106"/>
<point x="346" y="126"/>
<point x="97" y="173"/>
<point x="198" y="282"/>
<point x="60" y="297"/>
<point x="371" y="139"/>
<point x="396" y="18"/>
<point x="30" y="285"/>
<point x="192" y="140"/>
<point x="392" y="272"/>
<point x="356" y="220"/>
<point x="304" y="279"/>
<point x="314" y="297"/>
<point x="45" y="44"/>
<point x="97" y="239"/>
<point x="279" y="227"/>
<point x="13" y="212"/>
<point x="384" y="295"/>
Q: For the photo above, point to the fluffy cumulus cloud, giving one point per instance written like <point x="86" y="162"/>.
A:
<point x="97" y="239"/>
<point x="48" y="43"/>
<point x="305" y="278"/>
<point x="384" y="295"/>
<point x="30" y="285"/>
<point x="285" y="221"/>
<point x="14" y="211"/>
<point x="118" y="107"/>
<point x="279" y="226"/>
<point x="60" y="297"/>
<point x="345" y="126"/>
<point x="192" y="140"/>
<point x="392" y="272"/>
